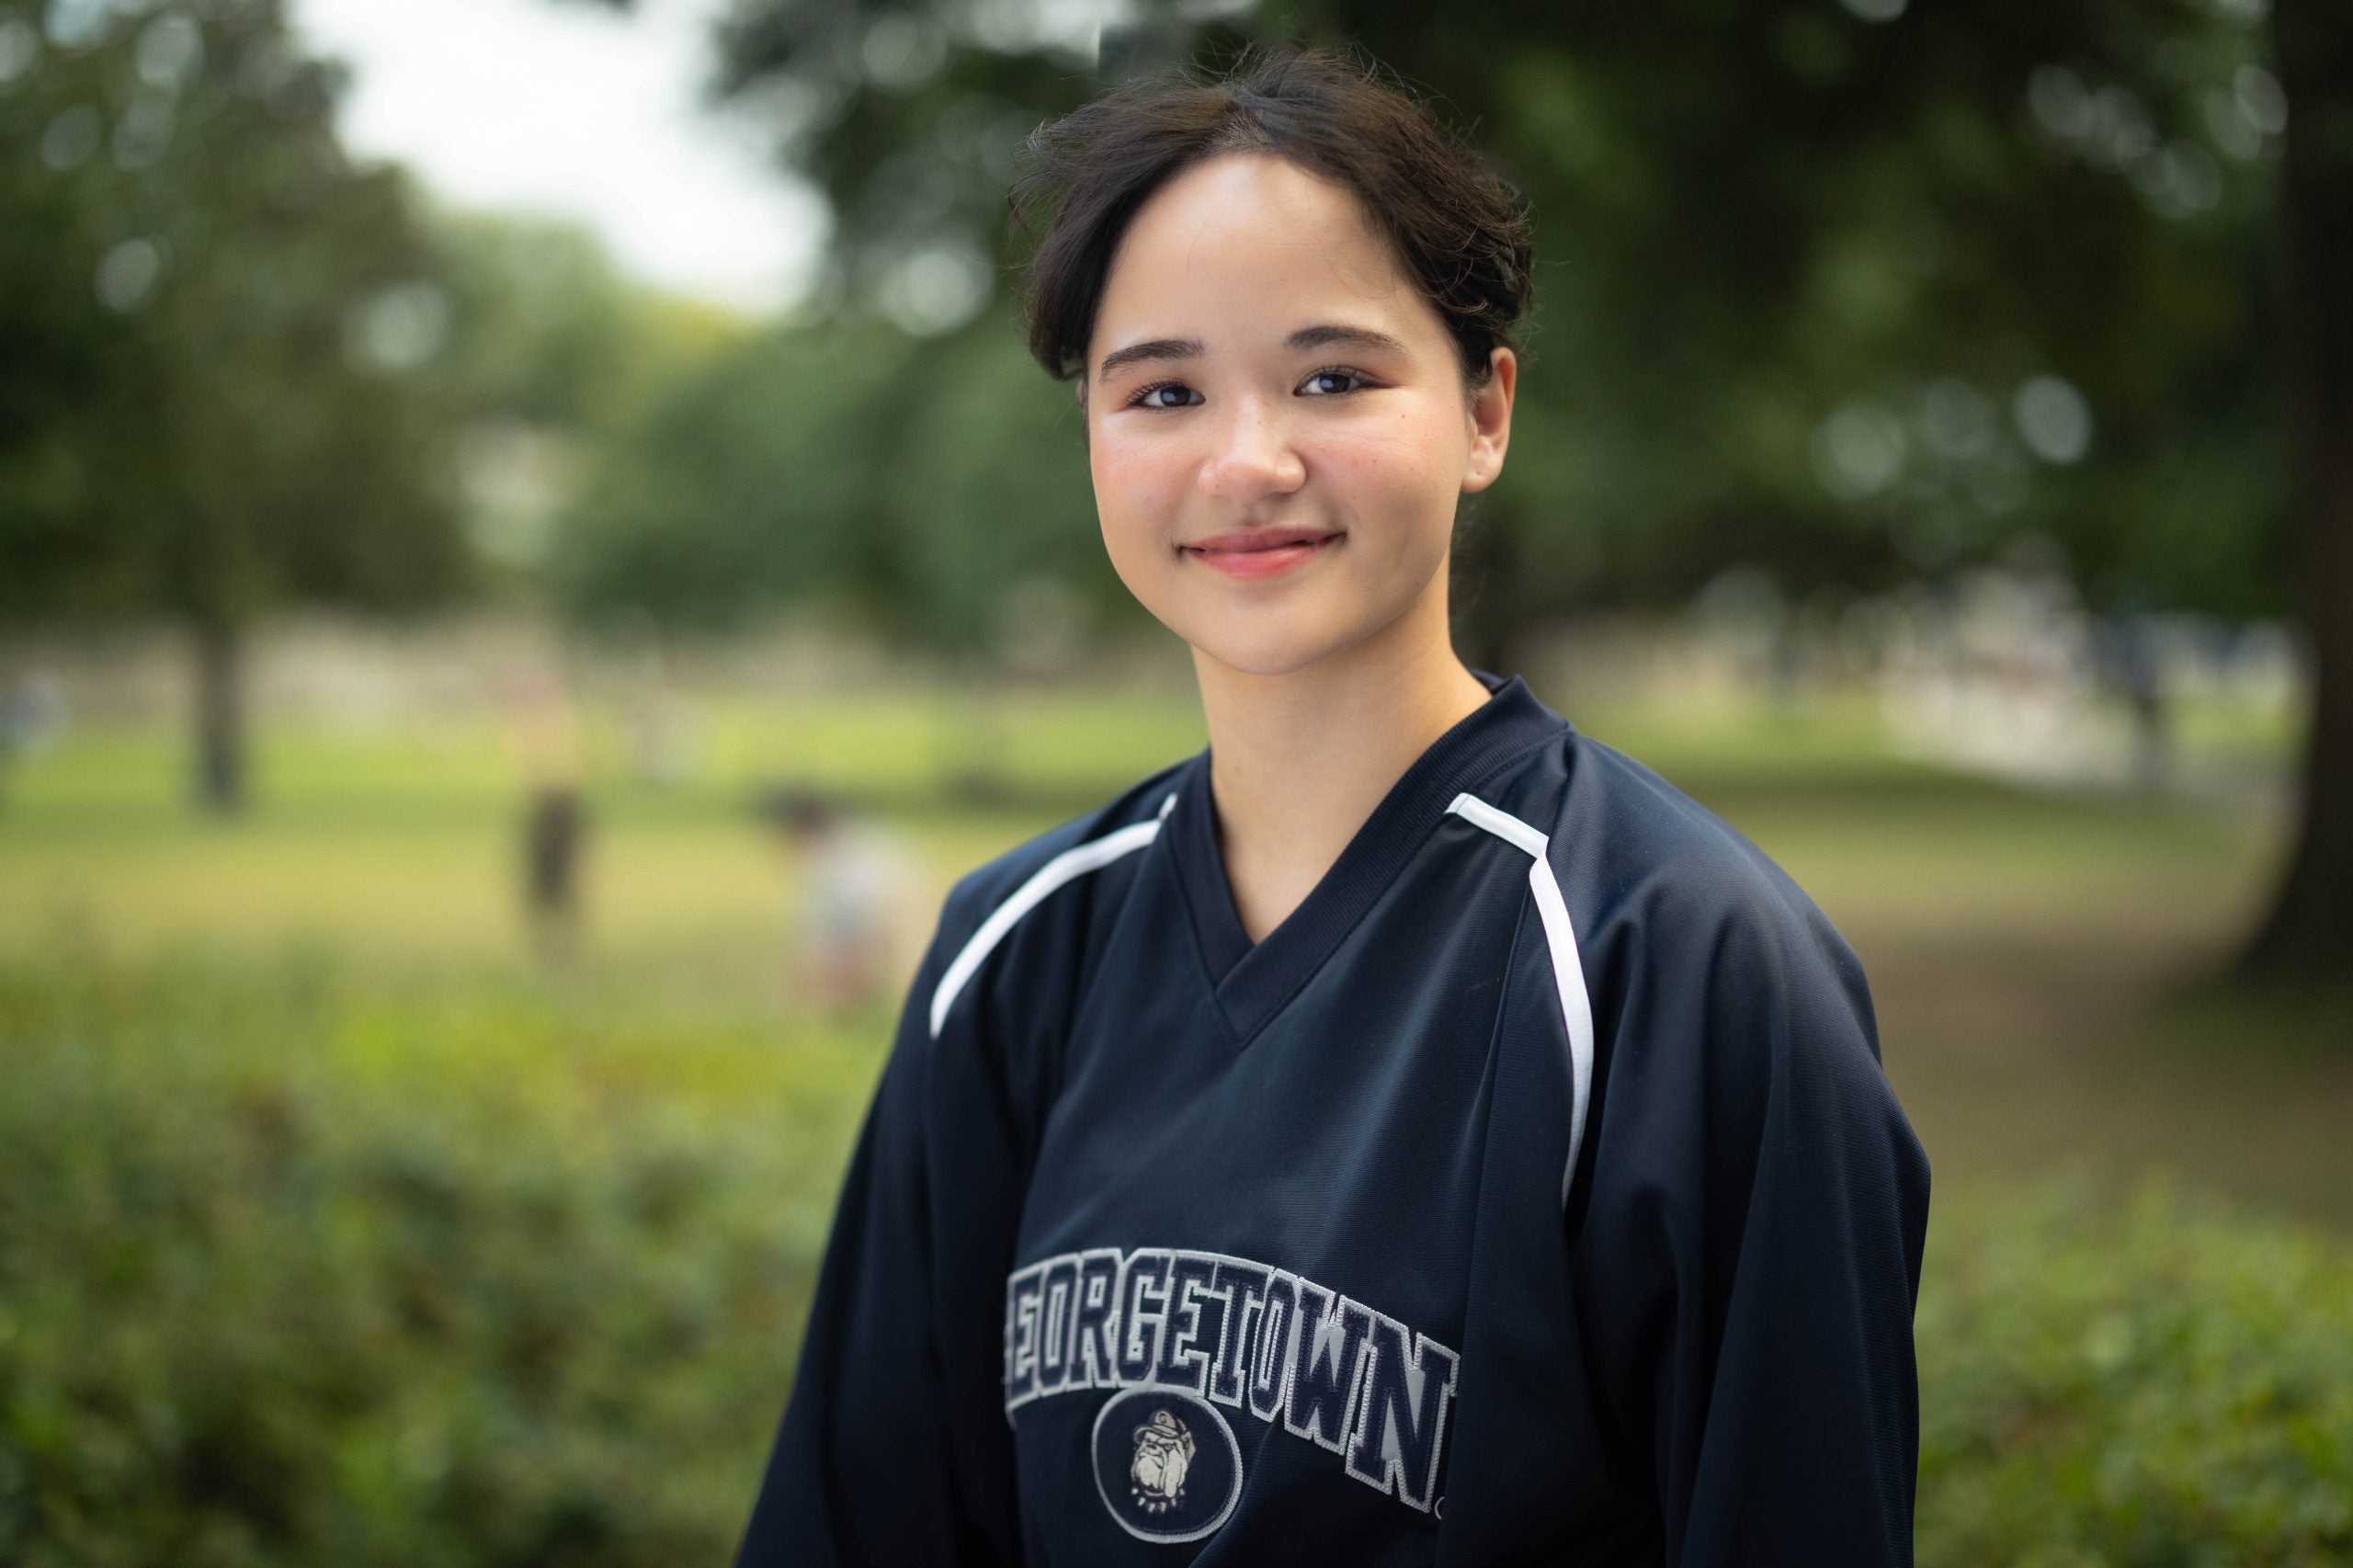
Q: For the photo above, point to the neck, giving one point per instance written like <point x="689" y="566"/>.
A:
<point x="1298" y="761"/>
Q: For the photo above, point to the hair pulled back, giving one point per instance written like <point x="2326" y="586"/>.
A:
<point x="1458" y="232"/>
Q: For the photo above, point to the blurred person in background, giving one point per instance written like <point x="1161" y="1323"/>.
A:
<point x="856" y="890"/>
<point x="543" y="729"/>
<point x="1408" y="1131"/>
<point x="32" y="718"/>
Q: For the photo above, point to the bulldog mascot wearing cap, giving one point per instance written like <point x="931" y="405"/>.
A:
<point x="1164" y="1451"/>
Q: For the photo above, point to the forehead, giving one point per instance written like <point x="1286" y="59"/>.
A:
<point x="1241" y="249"/>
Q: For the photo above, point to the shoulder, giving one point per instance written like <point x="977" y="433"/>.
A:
<point x="1671" y="882"/>
<point x="1095" y="841"/>
<point x="1732" y="1016"/>
<point x="1704" y="961"/>
<point x="1008" y="904"/>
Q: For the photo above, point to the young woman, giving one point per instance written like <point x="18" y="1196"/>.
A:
<point x="1408" y="1131"/>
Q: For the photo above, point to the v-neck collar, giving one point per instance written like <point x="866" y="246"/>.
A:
<point x="1254" y="981"/>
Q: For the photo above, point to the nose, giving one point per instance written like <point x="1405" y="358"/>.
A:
<point x="1253" y="457"/>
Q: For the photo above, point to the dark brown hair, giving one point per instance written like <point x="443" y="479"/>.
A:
<point x="1457" y="230"/>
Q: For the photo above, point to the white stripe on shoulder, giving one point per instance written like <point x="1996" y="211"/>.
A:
<point x="1568" y="974"/>
<point x="1068" y="865"/>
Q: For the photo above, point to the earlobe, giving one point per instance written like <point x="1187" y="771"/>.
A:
<point x="1491" y="420"/>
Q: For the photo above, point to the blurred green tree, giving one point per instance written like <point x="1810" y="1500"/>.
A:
<point x="1857" y="292"/>
<point x="551" y="351"/>
<point x="545" y="329"/>
<point x="218" y="337"/>
<point x="1843" y="290"/>
<point x="924" y="486"/>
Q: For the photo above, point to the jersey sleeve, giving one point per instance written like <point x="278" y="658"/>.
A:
<point x="1752" y="1248"/>
<point x="894" y="1447"/>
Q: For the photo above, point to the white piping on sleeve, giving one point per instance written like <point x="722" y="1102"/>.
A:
<point x="1568" y="974"/>
<point x="1068" y="865"/>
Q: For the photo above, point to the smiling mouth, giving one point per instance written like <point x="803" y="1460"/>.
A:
<point x="1262" y="554"/>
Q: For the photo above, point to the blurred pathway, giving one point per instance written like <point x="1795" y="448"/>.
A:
<point x="2021" y="1052"/>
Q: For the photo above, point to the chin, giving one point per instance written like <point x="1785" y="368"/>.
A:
<point x="1274" y="648"/>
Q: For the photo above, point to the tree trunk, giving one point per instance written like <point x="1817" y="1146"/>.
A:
<point x="2309" y="932"/>
<point x="220" y="717"/>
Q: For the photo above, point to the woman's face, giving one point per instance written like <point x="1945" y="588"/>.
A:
<point x="1276" y="419"/>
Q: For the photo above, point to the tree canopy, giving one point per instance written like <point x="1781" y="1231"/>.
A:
<point x="1851" y="293"/>
<point x="210" y="326"/>
<point x="919" y="485"/>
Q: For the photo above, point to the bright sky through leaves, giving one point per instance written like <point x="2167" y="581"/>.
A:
<point x="574" y="112"/>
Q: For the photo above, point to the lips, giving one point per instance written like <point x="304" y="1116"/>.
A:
<point x="1259" y="552"/>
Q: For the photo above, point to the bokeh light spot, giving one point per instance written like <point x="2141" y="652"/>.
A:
<point x="1859" y="450"/>
<point x="900" y="52"/>
<point x="400" y="329"/>
<point x="17" y="48"/>
<point x="2052" y="419"/>
<point x="170" y="49"/>
<point x="128" y="274"/>
<point x="934" y="290"/>
<point x="2262" y="102"/>
<point x="77" y="24"/>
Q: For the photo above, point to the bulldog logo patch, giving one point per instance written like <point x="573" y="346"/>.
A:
<point x="1163" y="1452"/>
<point x="1167" y="1464"/>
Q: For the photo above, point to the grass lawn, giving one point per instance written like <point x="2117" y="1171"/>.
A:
<point x="2033" y="957"/>
<point x="2030" y="954"/>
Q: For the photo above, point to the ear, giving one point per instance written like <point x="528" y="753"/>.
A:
<point x="1490" y="418"/>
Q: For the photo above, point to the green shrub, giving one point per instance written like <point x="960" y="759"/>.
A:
<point x="299" y="1269"/>
<point x="2155" y="1384"/>
<point x="291" y="1274"/>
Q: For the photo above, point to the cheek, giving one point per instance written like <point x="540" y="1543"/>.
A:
<point x="1138" y="487"/>
<point x="1403" y="477"/>
<point x="1133" y="514"/>
<point x="1117" y="470"/>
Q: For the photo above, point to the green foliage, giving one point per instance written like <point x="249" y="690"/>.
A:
<point x="551" y="353"/>
<point x="1796" y="263"/>
<point x="2163" y="1388"/>
<point x="291" y="1274"/>
<point x="298" y="1268"/>
<point x="917" y="485"/>
<point x="753" y="479"/>
<point x="211" y="329"/>
<point x="543" y="329"/>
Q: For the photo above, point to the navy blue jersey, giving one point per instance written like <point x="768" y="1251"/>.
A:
<point x="1531" y="1194"/>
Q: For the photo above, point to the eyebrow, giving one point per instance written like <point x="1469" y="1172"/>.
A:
<point x="1322" y="335"/>
<point x="1326" y="335"/>
<point x="1151" y="348"/>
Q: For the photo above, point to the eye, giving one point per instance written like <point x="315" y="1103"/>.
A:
<point x="1149" y="397"/>
<point x="1333" y="374"/>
